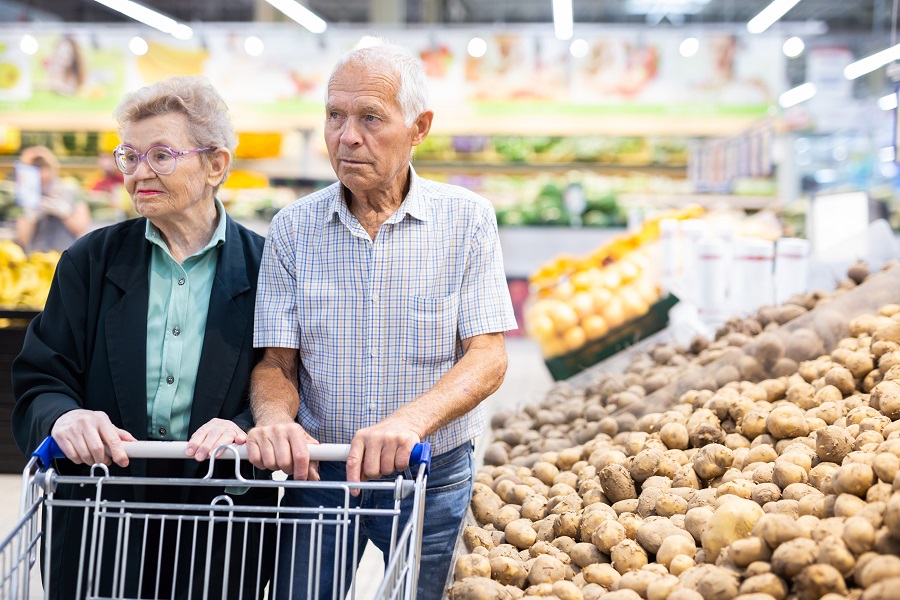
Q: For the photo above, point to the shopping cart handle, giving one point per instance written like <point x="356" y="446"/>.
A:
<point x="49" y="450"/>
<point x="421" y="455"/>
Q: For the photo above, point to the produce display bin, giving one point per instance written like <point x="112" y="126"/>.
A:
<point x="825" y="326"/>
<point x="13" y="324"/>
<point x="618" y="338"/>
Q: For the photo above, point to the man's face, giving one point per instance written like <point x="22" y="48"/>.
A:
<point x="368" y="143"/>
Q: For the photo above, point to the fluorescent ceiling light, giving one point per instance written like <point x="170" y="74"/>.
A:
<point x="799" y="94"/>
<point x="563" y="23"/>
<point x="888" y="102"/>
<point x="138" y="46"/>
<point x="300" y="14"/>
<point x="28" y="45"/>
<point x="149" y="17"/>
<point x="793" y="47"/>
<point x="887" y="154"/>
<point x="254" y="46"/>
<point x="665" y="7"/>
<point x="769" y="15"/>
<point x="689" y="47"/>
<point x="476" y="47"/>
<point x="579" y="48"/>
<point x="870" y="63"/>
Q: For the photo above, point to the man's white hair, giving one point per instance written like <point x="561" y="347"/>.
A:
<point x="376" y="53"/>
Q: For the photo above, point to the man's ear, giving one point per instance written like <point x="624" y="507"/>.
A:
<point x="422" y="126"/>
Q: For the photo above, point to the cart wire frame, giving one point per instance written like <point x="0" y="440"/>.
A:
<point x="109" y="526"/>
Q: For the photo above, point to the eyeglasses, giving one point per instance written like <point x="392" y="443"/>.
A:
<point x="161" y="159"/>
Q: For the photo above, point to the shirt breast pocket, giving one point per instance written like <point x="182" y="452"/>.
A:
<point x="431" y="325"/>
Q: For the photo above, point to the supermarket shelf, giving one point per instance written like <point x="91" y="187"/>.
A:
<point x="704" y="200"/>
<point x="513" y="168"/>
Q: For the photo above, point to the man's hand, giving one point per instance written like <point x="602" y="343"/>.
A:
<point x="380" y="450"/>
<point x="84" y="436"/>
<point x="215" y="433"/>
<point x="56" y="206"/>
<point x="282" y="447"/>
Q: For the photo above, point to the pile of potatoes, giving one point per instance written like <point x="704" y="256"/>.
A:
<point x="784" y="488"/>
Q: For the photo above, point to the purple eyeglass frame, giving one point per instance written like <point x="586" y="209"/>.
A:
<point x="141" y="157"/>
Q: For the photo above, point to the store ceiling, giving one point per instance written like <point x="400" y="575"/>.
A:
<point x="838" y="15"/>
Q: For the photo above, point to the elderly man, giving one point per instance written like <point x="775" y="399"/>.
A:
<point x="382" y="304"/>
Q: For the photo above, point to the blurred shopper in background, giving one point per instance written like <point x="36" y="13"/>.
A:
<point x="61" y="216"/>
<point x="381" y="306"/>
<point x="147" y="334"/>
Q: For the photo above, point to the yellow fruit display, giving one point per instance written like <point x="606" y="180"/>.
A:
<point x="575" y="300"/>
<point x="25" y="280"/>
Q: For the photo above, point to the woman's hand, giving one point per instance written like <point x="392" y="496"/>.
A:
<point x="85" y="435"/>
<point x="215" y="433"/>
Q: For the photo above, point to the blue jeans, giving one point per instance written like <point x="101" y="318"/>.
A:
<point x="447" y="496"/>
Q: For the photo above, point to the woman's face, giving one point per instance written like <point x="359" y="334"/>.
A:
<point x="188" y="189"/>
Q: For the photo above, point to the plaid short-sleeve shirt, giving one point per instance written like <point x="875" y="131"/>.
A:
<point x="378" y="322"/>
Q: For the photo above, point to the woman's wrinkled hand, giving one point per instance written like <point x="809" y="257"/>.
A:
<point x="89" y="437"/>
<point x="215" y="433"/>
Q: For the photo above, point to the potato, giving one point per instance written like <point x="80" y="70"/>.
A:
<point x="712" y="461"/>
<point x="731" y="521"/>
<point x="793" y="556"/>
<point x="601" y="574"/>
<point x="815" y="581"/>
<point x="765" y="583"/>
<point x="608" y="534"/>
<point x="520" y="533"/>
<point x="471" y="565"/>
<point x="566" y="590"/>
<point x="546" y="569"/>
<point x="616" y="483"/>
<point x="833" y="551"/>
<point x="787" y="421"/>
<point x="584" y="554"/>
<point x="747" y="550"/>
<point x="878" y="569"/>
<point x="476" y="536"/>
<point x="479" y="588"/>
<point x="674" y="546"/>
<point x="628" y="555"/>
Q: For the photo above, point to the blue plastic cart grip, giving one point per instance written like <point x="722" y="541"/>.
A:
<point x="421" y="455"/>
<point x="47" y="451"/>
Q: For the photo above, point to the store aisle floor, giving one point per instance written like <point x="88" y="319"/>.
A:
<point x="527" y="381"/>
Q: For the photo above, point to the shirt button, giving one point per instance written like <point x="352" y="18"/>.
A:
<point x="176" y="331"/>
<point x="170" y="380"/>
<point x="374" y="297"/>
<point x="181" y="281"/>
<point x="162" y="431"/>
<point x="373" y="406"/>
<point x="373" y="352"/>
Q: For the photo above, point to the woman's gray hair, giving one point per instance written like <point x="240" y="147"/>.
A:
<point x="412" y="92"/>
<point x="208" y="121"/>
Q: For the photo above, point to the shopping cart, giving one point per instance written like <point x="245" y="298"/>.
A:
<point x="117" y="544"/>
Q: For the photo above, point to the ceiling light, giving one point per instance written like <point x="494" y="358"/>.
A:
<point x="149" y="17"/>
<point x="769" y="15"/>
<point x="254" y="46"/>
<point x="793" y="47"/>
<point x="887" y="154"/>
<point x="888" y="102"/>
<point x="563" y="23"/>
<point x="300" y="14"/>
<point x="840" y="153"/>
<point x="138" y="46"/>
<point x="689" y="47"/>
<point x="870" y="63"/>
<point x="477" y="47"/>
<point x="28" y="45"/>
<point x="579" y="48"/>
<point x="799" y="94"/>
<point x="368" y="41"/>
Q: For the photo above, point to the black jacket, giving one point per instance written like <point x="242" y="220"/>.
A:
<point x="87" y="349"/>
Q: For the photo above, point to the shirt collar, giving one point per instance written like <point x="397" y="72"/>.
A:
<point x="153" y="235"/>
<point x="413" y="205"/>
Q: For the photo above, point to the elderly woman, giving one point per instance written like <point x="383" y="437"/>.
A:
<point x="147" y="334"/>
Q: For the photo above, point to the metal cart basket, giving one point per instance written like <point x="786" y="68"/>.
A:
<point x="121" y="540"/>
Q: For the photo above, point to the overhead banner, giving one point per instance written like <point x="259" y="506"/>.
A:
<point x="523" y="72"/>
